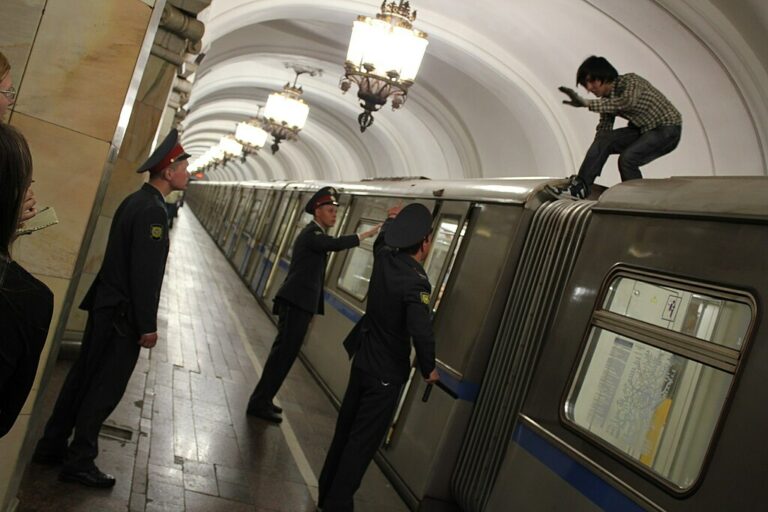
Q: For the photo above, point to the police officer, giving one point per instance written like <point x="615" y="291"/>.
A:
<point x="122" y="317"/>
<point x="300" y="297"/>
<point x="397" y="310"/>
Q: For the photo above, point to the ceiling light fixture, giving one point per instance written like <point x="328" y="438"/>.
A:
<point x="286" y="112"/>
<point x="383" y="58"/>
<point x="251" y="136"/>
<point x="230" y="147"/>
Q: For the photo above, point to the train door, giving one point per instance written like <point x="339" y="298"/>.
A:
<point x="238" y="221"/>
<point x="227" y="200"/>
<point x="296" y="220"/>
<point x="255" y="261"/>
<point x="237" y="197"/>
<point x="247" y="239"/>
<point x="288" y="209"/>
<point x="416" y="428"/>
<point x="261" y="263"/>
<point x="207" y="205"/>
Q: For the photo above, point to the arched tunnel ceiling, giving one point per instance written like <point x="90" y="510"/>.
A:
<point x="485" y="102"/>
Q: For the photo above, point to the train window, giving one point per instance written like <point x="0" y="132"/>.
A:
<point x="656" y="407"/>
<point x="441" y="246"/>
<point x="438" y="286"/>
<point x="655" y="373"/>
<point x="356" y="273"/>
<point x="702" y="316"/>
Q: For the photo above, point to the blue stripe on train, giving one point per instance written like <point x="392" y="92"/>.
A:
<point x="463" y="389"/>
<point x="600" y="492"/>
<point x="342" y="308"/>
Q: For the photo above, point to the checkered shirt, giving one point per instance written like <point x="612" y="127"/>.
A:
<point x="636" y="100"/>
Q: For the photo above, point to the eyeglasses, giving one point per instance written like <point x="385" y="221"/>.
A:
<point x="9" y="93"/>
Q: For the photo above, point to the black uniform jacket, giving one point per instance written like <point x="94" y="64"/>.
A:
<point x="26" y="306"/>
<point x="303" y="287"/>
<point x="134" y="263"/>
<point x="397" y="310"/>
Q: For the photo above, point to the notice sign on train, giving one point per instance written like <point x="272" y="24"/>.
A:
<point x="670" y="310"/>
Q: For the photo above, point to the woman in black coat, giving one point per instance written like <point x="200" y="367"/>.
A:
<point x="26" y="304"/>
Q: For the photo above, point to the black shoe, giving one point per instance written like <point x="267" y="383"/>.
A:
<point x="92" y="478"/>
<point x="48" y="458"/>
<point x="574" y="188"/>
<point x="265" y="414"/>
<point x="276" y="408"/>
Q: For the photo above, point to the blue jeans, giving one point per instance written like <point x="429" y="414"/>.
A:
<point x="634" y="149"/>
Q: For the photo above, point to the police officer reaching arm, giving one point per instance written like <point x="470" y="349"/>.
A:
<point x="300" y="297"/>
<point x="396" y="312"/>
<point x="122" y="308"/>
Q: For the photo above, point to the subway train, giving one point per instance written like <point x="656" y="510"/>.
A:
<point x="604" y="354"/>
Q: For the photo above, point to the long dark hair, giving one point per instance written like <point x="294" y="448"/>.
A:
<point x="15" y="176"/>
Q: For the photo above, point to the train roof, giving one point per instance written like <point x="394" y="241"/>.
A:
<point x="730" y="197"/>
<point x="502" y="190"/>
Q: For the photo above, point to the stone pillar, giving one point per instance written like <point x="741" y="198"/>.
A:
<point x="78" y="67"/>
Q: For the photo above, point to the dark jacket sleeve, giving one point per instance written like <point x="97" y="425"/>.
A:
<point x="419" y="324"/>
<point x="149" y="249"/>
<point x="11" y="354"/>
<point x="379" y="243"/>
<point x="319" y="241"/>
<point x="23" y="340"/>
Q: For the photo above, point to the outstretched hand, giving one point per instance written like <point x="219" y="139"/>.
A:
<point x="367" y="234"/>
<point x="575" y="99"/>
<point x="392" y="211"/>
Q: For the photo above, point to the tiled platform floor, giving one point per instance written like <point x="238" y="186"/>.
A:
<point x="181" y="439"/>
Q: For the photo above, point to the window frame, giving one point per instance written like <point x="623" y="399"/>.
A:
<point x="348" y="259"/>
<point x="444" y="274"/>
<point x="694" y="349"/>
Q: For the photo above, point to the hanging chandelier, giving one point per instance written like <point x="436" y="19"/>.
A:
<point x="383" y="58"/>
<point x="251" y="136"/>
<point x="285" y="113"/>
<point x="209" y="160"/>
<point x="230" y="147"/>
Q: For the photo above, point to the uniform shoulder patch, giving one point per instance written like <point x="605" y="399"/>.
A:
<point x="424" y="296"/>
<point x="156" y="231"/>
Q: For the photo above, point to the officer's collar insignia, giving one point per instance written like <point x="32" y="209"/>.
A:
<point x="156" y="231"/>
<point x="424" y="297"/>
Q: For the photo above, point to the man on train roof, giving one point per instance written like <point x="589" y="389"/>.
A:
<point x="653" y="130"/>
<point x="300" y="297"/>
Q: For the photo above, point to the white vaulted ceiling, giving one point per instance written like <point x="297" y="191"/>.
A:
<point x="485" y="102"/>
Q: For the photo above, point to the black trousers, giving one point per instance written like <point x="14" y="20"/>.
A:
<point x="292" y="326"/>
<point x="93" y="388"/>
<point x="364" y="418"/>
<point x="634" y="149"/>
